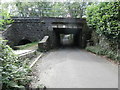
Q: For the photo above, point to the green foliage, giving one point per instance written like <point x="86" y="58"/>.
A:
<point x="101" y="51"/>
<point x="48" y="9"/>
<point x="103" y="17"/>
<point x="41" y="86"/>
<point x="14" y="72"/>
<point x="33" y="8"/>
<point x="77" y="9"/>
<point x="26" y="46"/>
<point x="4" y="16"/>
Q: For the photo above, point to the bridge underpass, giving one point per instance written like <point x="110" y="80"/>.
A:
<point x="32" y="29"/>
<point x="74" y="67"/>
<point x="76" y="33"/>
<point x="62" y="29"/>
<point x="64" y="68"/>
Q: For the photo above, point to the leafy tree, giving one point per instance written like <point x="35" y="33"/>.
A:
<point x="59" y="10"/>
<point x="27" y="9"/>
<point x="4" y="18"/>
<point x="77" y="9"/>
<point x="49" y="9"/>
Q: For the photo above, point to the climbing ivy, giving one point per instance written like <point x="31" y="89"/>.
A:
<point x="103" y="17"/>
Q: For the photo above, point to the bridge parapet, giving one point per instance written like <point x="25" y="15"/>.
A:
<point x="43" y="45"/>
<point x="49" y="19"/>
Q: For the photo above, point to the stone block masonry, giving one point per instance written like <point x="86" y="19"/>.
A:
<point x="31" y="29"/>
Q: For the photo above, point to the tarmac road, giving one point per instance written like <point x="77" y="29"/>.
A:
<point x="75" y="68"/>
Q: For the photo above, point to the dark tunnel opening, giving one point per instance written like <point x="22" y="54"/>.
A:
<point x="24" y="41"/>
<point x="68" y="37"/>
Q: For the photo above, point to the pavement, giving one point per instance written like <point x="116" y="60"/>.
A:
<point x="74" y="68"/>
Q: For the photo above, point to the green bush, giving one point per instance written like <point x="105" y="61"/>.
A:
<point x="103" y="17"/>
<point x="113" y="55"/>
<point x="14" y="71"/>
<point x="96" y="50"/>
<point x="4" y="16"/>
<point x="101" y="51"/>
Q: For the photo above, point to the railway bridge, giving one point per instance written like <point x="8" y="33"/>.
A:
<point x="30" y="29"/>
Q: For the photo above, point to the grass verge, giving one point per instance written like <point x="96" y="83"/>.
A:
<point x="114" y="55"/>
<point x="26" y="46"/>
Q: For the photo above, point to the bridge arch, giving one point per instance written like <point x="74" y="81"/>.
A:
<point x="24" y="41"/>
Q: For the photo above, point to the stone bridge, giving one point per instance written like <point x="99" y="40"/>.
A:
<point x="30" y="29"/>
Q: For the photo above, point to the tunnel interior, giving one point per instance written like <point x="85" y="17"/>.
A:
<point x="24" y="41"/>
<point x="68" y="37"/>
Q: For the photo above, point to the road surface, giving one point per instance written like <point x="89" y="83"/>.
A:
<point x="75" y="68"/>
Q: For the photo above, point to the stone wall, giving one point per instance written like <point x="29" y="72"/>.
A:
<point x="0" y="34"/>
<point x="24" y="29"/>
<point x="103" y="42"/>
<point x="34" y="29"/>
